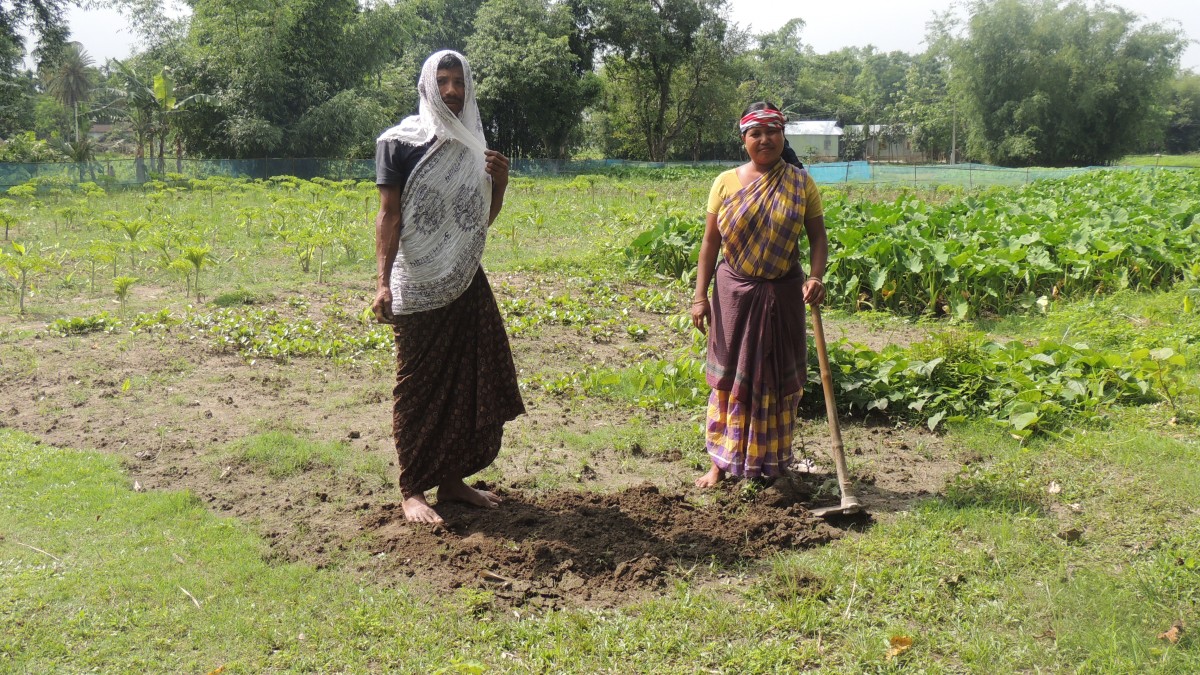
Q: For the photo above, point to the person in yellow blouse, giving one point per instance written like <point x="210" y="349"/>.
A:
<point x="757" y="351"/>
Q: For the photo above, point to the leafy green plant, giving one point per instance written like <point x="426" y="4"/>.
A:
<point x="6" y="215"/>
<point x="1012" y="250"/>
<point x="255" y="333"/>
<point x="1164" y="368"/>
<point x="197" y="256"/>
<point x="83" y="325"/>
<point x="121" y="287"/>
<point x="133" y="229"/>
<point x="23" y="264"/>
<point x="670" y="248"/>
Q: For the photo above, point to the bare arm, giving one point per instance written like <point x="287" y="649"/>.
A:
<point x="709" y="247"/>
<point x="387" y="243"/>
<point x="818" y="256"/>
<point x="496" y="166"/>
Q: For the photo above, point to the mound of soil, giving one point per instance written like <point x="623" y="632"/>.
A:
<point x="545" y="549"/>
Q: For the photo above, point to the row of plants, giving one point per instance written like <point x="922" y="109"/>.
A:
<point x="174" y="231"/>
<point x="994" y="252"/>
<point x="952" y="377"/>
<point x="595" y="308"/>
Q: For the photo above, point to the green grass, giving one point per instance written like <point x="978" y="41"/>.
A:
<point x="95" y="576"/>
<point x="284" y="454"/>
<point x="981" y="584"/>
<point x="1188" y="160"/>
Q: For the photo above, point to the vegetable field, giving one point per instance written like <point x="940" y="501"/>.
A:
<point x="198" y="470"/>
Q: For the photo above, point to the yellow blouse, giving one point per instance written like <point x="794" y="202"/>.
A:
<point x="727" y="184"/>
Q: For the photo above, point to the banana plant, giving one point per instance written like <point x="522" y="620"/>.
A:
<point x="169" y="107"/>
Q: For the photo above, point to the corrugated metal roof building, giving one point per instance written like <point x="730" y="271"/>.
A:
<point x="814" y="140"/>
<point x="888" y="143"/>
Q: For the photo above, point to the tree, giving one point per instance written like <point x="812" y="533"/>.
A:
<point x="69" y="78"/>
<point x="714" y="75"/>
<point x="41" y="20"/>
<point x="1062" y="84"/>
<point x="444" y="24"/>
<point x="17" y="90"/>
<point x="663" y="54"/>
<point x="44" y="20"/>
<point x="777" y="65"/>
<point x="926" y="104"/>
<point x="1183" y="127"/>
<point x="531" y="94"/>
<point x="287" y="78"/>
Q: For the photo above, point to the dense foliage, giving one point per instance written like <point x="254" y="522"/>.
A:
<point x="1055" y="84"/>
<point x="1016" y="82"/>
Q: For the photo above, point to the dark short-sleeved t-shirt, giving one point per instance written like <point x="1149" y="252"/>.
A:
<point x="395" y="161"/>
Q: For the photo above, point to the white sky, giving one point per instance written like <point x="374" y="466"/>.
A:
<point x="894" y="25"/>
<point x="890" y="25"/>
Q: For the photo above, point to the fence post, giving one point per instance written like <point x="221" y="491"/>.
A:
<point x="971" y="175"/>
<point x="914" y="176"/>
<point x="847" y="172"/>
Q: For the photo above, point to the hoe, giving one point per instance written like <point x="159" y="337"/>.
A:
<point x="849" y="505"/>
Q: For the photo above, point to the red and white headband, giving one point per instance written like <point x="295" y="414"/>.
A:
<point x="772" y="119"/>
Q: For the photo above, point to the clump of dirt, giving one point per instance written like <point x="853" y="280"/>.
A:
<point x="543" y="550"/>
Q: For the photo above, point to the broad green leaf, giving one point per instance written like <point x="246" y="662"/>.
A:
<point x="1023" y="420"/>
<point x="879" y="277"/>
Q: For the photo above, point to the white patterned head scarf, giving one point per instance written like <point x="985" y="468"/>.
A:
<point x="445" y="204"/>
<point x="434" y="117"/>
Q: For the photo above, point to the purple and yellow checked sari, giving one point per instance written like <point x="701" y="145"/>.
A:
<point x="757" y="351"/>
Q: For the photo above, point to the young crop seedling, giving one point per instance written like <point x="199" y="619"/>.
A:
<point x="121" y="286"/>
<point x="23" y="265"/>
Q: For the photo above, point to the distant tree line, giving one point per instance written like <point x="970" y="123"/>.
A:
<point x="1011" y="82"/>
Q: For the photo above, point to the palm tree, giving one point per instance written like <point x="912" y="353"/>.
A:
<point x="70" y="78"/>
<point x="83" y="152"/>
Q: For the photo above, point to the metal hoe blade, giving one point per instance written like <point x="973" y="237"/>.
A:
<point x="850" y="504"/>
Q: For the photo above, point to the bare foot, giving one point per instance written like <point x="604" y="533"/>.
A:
<point x="458" y="491"/>
<point x="711" y="478"/>
<point x="417" y="510"/>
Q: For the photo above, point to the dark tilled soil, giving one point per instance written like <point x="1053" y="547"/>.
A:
<point x="545" y="549"/>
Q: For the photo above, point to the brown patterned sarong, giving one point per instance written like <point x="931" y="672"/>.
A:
<point x="456" y="386"/>
<point x="756" y="366"/>
<point x="756" y="342"/>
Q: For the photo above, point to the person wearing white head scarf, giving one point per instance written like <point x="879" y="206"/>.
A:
<point x="440" y="188"/>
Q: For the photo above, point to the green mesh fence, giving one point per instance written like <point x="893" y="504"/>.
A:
<point x="129" y="172"/>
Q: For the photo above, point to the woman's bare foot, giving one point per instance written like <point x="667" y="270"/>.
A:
<point x="458" y="491"/>
<point x="711" y="477"/>
<point x="417" y="510"/>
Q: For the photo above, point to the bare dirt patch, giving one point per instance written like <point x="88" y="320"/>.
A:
<point x="563" y="547"/>
<point x="599" y="520"/>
